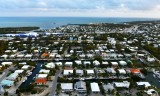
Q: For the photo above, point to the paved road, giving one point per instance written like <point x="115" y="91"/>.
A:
<point x="54" y="84"/>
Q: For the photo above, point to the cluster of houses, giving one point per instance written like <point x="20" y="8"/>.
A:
<point x="15" y="76"/>
<point x="81" y="87"/>
<point x="96" y="58"/>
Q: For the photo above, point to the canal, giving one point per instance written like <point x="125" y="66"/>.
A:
<point x="153" y="80"/>
<point x="31" y="77"/>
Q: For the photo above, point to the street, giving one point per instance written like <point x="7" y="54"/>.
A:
<point x="54" y="84"/>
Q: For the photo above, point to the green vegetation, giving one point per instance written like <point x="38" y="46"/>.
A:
<point x="3" y="46"/>
<point x="16" y="29"/>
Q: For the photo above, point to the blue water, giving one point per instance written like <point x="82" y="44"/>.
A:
<point x="51" y="22"/>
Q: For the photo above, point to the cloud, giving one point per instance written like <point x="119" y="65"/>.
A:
<point x="84" y="7"/>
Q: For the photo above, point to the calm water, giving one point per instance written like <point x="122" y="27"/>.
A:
<point x="31" y="77"/>
<point x="50" y="22"/>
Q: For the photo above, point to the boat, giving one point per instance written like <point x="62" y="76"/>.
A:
<point x="154" y="75"/>
<point x="24" y="80"/>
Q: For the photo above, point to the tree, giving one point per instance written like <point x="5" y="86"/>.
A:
<point x="136" y="78"/>
<point x="6" y="93"/>
<point x="56" y="67"/>
<point x="144" y="71"/>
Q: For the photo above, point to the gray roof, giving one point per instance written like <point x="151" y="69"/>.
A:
<point x="80" y="84"/>
<point x="108" y="87"/>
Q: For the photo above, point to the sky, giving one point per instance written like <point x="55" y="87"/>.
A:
<point x="81" y="8"/>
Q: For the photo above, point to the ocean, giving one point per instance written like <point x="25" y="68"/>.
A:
<point x="51" y="22"/>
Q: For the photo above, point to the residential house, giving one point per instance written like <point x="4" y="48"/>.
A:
<point x="121" y="71"/>
<point x="78" y="62"/>
<point x="95" y="87"/>
<point x="111" y="70"/>
<point x="42" y="75"/>
<point x="25" y="67"/>
<point x="143" y="84"/>
<point x="50" y="65"/>
<point x="69" y="64"/>
<point x="67" y="72"/>
<point x="122" y="63"/>
<point x="40" y="81"/>
<point x="80" y="86"/>
<point x="67" y="87"/>
<point x="6" y="63"/>
<point x="79" y="72"/>
<point x="114" y="64"/>
<point x="44" y="55"/>
<point x="12" y="76"/>
<point x="44" y="71"/>
<point x="7" y="83"/>
<point x="124" y="84"/>
<point x="96" y="63"/>
<point x="108" y="87"/>
<point x="90" y="72"/>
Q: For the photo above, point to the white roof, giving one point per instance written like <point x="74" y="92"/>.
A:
<point x="122" y="71"/>
<point x="96" y="62"/>
<point x="6" y="63"/>
<point x="19" y="71"/>
<point x="4" y="56"/>
<point x="147" y="84"/>
<point x="36" y="51"/>
<point x="14" y="51"/>
<point x="52" y="54"/>
<point x="21" y="55"/>
<point x="90" y="55"/>
<point x="25" y="67"/>
<point x="94" y="87"/>
<point x="28" y="56"/>
<point x="44" y="71"/>
<point x="79" y="71"/>
<point x="125" y="84"/>
<point x="82" y="55"/>
<point x="150" y="91"/>
<point x="114" y="63"/>
<point x="150" y="59"/>
<point x="67" y="86"/>
<point x="142" y="55"/>
<point x="12" y="76"/>
<point x="105" y="62"/>
<point x="67" y="55"/>
<point x="58" y="56"/>
<point x="50" y="65"/>
<point x="13" y="55"/>
<point x="42" y="75"/>
<point x="78" y="62"/>
<point x="67" y="72"/>
<point x="87" y="62"/>
<point x="59" y="63"/>
<point x="7" y="51"/>
<point x="90" y="71"/>
<point x="68" y="63"/>
<point x="122" y="63"/>
<point x="23" y="63"/>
